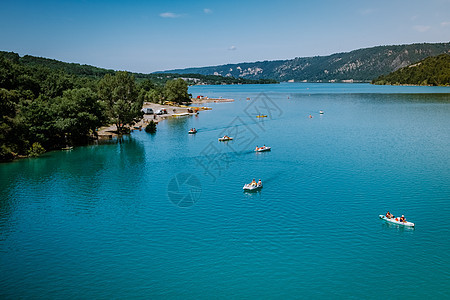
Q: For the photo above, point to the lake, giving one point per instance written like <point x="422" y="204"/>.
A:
<point x="165" y="216"/>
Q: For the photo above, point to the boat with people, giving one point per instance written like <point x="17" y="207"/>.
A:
<point x="192" y="131"/>
<point x="225" y="138"/>
<point x="396" y="220"/>
<point x="253" y="186"/>
<point x="262" y="149"/>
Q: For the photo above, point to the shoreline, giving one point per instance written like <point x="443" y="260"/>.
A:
<point x="173" y="111"/>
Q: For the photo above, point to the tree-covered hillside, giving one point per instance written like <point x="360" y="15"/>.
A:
<point x="358" y="65"/>
<point x="433" y="70"/>
<point x="95" y="72"/>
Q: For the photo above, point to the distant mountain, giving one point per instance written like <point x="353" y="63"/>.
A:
<point x="433" y="70"/>
<point x="358" y="65"/>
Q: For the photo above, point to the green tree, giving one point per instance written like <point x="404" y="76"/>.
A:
<point x="39" y="116"/>
<point x="154" y="95"/>
<point x="177" y="91"/>
<point x="123" y="107"/>
<point x="146" y="85"/>
<point x="36" y="149"/>
<point x="151" y="127"/>
<point x="78" y="114"/>
<point x="8" y="101"/>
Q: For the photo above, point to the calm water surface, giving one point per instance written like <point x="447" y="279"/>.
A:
<point x="164" y="215"/>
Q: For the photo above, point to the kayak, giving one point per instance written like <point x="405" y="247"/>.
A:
<point x="249" y="187"/>
<point x="396" y="220"/>
<point x="261" y="116"/>
<point x="223" y="139"/>
<point x="262" y="149"/>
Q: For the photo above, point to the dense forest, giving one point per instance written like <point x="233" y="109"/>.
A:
<point x="361" y="65"/>
<point x="44" y="108"/>
<point x="433" y="70"/>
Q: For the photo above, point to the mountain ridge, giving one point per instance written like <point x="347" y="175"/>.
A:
<point x="357" y="65"/>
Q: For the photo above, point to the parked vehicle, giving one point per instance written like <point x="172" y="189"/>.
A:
<point x="147" y="110"/>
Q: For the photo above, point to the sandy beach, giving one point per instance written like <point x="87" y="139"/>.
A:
<point x="107" y="132"/>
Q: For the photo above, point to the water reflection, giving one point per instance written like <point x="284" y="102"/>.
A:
<point x="76" y="178"/>
<point x="398" y="228"/>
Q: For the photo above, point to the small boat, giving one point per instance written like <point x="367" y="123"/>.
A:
<point x="67" y="148"/>
<point x="262" y="149"/>
<point x="192" y="131"/>
<point x="249" y="187"/>
<point x="321" y="112"/>
<point x="396" y="220"/>
<point x="225" y="138"/>
<point x="261" y="116"/>
<point x="181" y="114"/>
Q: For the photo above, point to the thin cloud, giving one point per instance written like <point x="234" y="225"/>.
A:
<point x="207" y="11"/>
<point x="421" y="28"/>
<point x="447" y="23"/>
<point x="367" y="11"/>
<point x="169" y="15"/>
<point x="232" y="48"/>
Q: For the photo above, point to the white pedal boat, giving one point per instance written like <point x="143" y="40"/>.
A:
<point x="262" y="149"/>
<point x="249" y="187"/>
<point x="396" y="220"/>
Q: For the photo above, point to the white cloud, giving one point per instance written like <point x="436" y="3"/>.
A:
<point x="207" y="11"/>
<point x="447" y="23"/>
<point x="232" y="48"/>
<point x="421" y="28"/>
<point x="169" y="15"/>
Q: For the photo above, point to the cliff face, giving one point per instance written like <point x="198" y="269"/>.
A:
<point x="358" y="65"/>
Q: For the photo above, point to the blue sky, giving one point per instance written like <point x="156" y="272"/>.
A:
<point x="147" y="36"/>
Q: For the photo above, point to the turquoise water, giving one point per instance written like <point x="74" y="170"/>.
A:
<point x="164" y="215"/>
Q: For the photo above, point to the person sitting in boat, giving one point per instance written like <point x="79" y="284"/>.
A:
<point x="259" y="183"/>
<point x="402" y="219"/>
<point x="225" y="137"/>
<point x="256" y="148"/>
<point x="389" y="215"/>
<point x="253" y="182"/>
